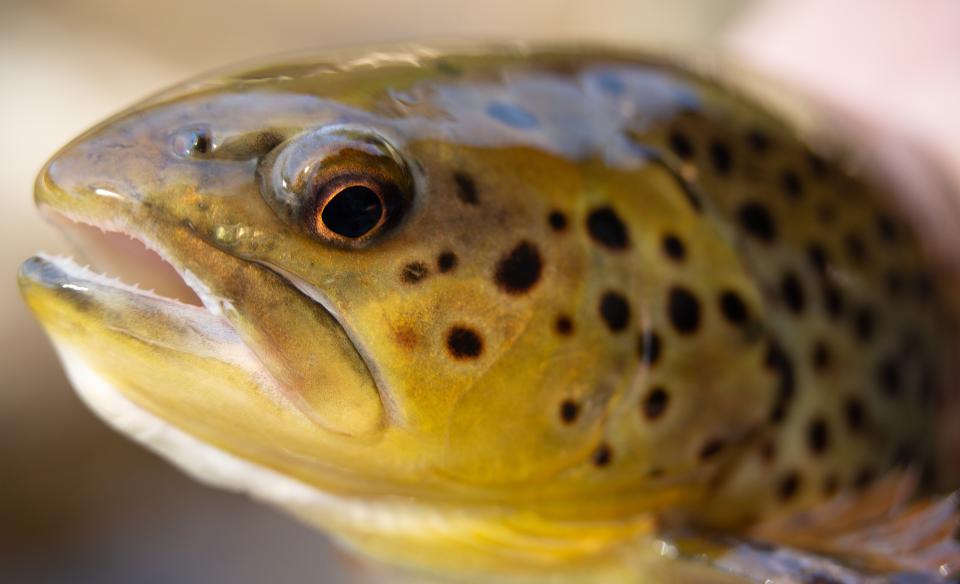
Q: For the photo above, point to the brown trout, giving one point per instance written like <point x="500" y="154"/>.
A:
<point x="512" y="315"/>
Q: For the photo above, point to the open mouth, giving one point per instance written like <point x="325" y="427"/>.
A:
<point x="123" y="260"/>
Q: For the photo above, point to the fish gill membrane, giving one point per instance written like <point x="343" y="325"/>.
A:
<point x="453" y="310"/>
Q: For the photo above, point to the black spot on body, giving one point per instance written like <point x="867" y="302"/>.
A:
<point x="788" y="486"/>
<point x="603" y="455"/>
<point x="818" y="258"/>
<point x="755" y="219"/>
<point x="557" y="221"/>
<point x="886" y="228"/>
<point x="563" y="325"/>
<point x="864" y="324"/>
<point x="711" y="448"/>
<point x="615" y="311"/>
<point x="833" y="301"/>
<point x="758" y="141"/>
<point x="414" y="272"/>
<point x="569" y="411"/>
<point x="673" y="247"/>
<point x="863" y="479"/>
<point x="720" y="157"/>
<point x="446" y="262"/>
<point x="733" y="308"/>
<point x="817" y="165"/>
<point x="855" y="414"/>
<point x="683" y="308"/>
<point x="818" y="436"/>
<point x="856" y="248"/>
<point x="791" y="290"/>
<point x="519" y="270"/>
<point x="649" y="347"/>
<point x="655" y="403"/>
<point x="889" y="377"/>
<point x="778" y="361"/>
<point x="606" y="228"/>
<point x="680" y="145"/>
<point x="791" y="184"/>
<point x="464" y="343"/>
<point x="466" y="188"/>
<point x="821" y="357"/>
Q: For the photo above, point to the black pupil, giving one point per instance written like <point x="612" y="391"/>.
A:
<point x="353" y="211"/>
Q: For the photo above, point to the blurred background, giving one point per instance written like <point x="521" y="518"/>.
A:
<point x="79" y="503"/>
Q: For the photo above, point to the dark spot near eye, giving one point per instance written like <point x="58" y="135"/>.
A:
<point x="512" y="115"/>
<point x="833" y="301"/>
<point x="711" y="448"/>
<point x="720" y="157"/>
<point x="655" y="403"/>
<point x="863" y="479"/>
<point x="673" y="247"/>
<point x="569" y="411"/>
<point x="756" y="221"/>
<point x="648" y="347"/>
<point x="615" y="311"/>
<point x="563" y="325"/>
<point x="856" y="248"/>
<point x="821" y="357"/>
<point x="655" y="472"/>
<point x="855" y="414"/>
<point x="606" y="228"/>
<point x="681" y="145"/>
<point x="602" y="455"/>
<point x="818" y="436"/>
<point x="464" y="343"/>
<point x="788" y="486"/>
<point x="684" y="310"/>
<point x="414" y="272"/>
<point x="889" y="377"/>
<point x="466" y="188"/>
<point x="733" y="308"/>
<point x="446" y="261"/>
<point x="557" y="220"/>
<point x="519" y="270"/>
<point x="792" y="292"/>
<point x="758" y="141"/>
<point x="864" y="324"/>
<point x="791" y="184"/>
<point x="818" y="258"/>
<point x="894" y="282"/>
<point x="886" y="228"/>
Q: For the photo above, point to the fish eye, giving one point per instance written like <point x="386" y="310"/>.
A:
<point x="353" y="211"/>
<point x="344" y="184"/>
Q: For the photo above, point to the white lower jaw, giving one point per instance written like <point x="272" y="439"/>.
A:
<point x="217" y="468"/>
